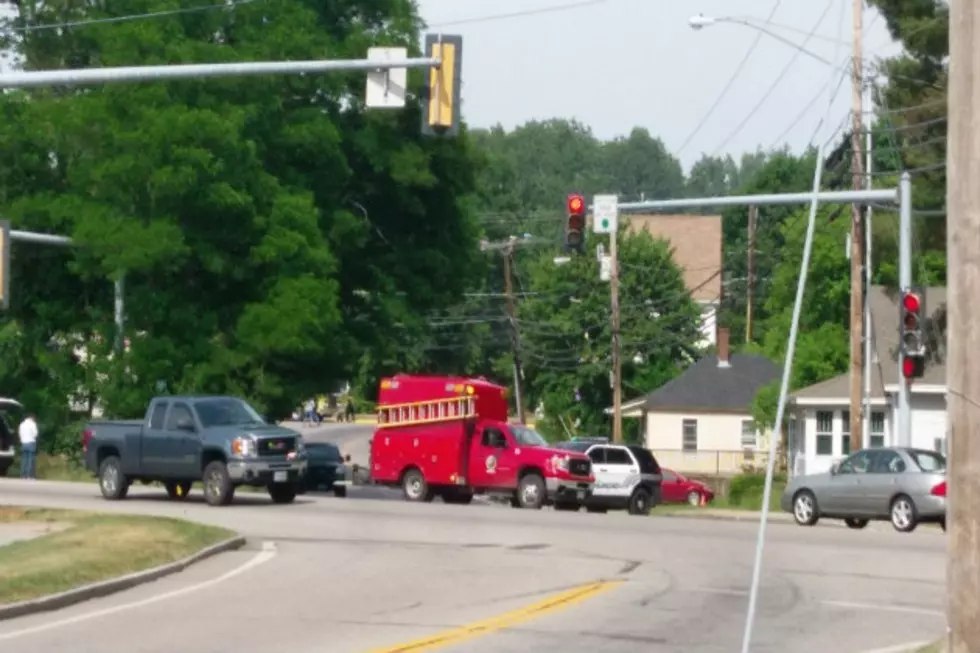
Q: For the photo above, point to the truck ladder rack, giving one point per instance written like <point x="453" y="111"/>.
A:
<point x="427" y="412"/>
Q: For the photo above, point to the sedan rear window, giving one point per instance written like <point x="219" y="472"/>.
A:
<point x="929" y="461"/>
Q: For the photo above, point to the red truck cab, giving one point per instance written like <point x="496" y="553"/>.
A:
<point x="449" y="437"/>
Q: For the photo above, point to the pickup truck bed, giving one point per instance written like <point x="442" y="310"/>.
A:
<point x="218" y="441"/>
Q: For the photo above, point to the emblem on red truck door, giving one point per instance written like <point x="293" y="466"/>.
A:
<point x="491" y="464"/>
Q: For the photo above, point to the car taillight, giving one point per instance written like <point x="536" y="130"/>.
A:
<point x="939" y="490"/>
<point x="86" y="436"/>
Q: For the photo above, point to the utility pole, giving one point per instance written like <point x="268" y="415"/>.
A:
<point x="868" y="268"/>
<point x="507" y="248"/>
<point x="515" y="328"/>
<point x="617" y="363"/>
<point x="963" y="335"/>
<point x="750" y="281"/>
<point x="857" y="231"/>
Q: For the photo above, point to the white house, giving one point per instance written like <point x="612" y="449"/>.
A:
<point x="700" y="422"/>
<point x="819" y="422"/>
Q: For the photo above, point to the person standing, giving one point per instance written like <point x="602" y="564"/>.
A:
<point x="27" y="431"/>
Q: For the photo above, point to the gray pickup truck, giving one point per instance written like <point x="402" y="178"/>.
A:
<point x="220" y="441"/>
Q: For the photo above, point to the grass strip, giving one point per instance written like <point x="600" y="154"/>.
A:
<point x="85" y="547"/>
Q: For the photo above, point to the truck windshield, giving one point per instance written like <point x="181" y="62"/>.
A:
<point x="528" y="437"/>
<point x="226" y="411"/>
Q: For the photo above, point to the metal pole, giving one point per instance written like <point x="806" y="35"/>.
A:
<point x="40" y="239"/>
<point x="119" y="313"/>
<point x="868" y="268"/>
<point x="781" y="409"/>
<point x="825" y="197"/>
<point x="617" y="363"/>
<point x="515" y="329"/>
<point x="85" y="76"/>
<point x="904" y="281"/>
<point x="750" y="281"/>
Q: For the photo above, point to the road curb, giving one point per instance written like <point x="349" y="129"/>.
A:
<point x="111" y="586"/>
<point x="910" y="647"/>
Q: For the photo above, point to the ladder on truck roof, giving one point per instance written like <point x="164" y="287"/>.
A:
<point x="427" y="412"/>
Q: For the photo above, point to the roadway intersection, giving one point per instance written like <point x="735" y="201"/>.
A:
<point x="328" y="575"/>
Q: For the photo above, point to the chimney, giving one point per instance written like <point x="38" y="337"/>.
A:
<point x="723" y="348"/>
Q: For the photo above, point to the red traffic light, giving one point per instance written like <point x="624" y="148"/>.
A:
<point x="908" y="368"/>
<point x="911" y="302"/>
<point x="576" y="203"/>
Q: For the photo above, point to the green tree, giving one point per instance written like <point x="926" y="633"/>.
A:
<point x="567" y="335"/>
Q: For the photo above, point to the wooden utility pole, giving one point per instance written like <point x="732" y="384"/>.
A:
<point x="750" y="281"/>
<point x="963" y="329"/>
<point x="515" y="329"/>
<point x="617" y="364"/>
<point x="857" y="231"/>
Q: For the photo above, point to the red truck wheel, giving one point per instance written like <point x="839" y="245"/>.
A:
<point x="415" y="488"/>
<point x="531" y="492"/>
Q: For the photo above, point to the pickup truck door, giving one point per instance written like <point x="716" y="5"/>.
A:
<point x="488" y="448"/>
<point x="151" y="447"/>
<point x="181" y="444"/>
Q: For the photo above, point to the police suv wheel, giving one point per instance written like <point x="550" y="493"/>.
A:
<point x="639" y="503"/>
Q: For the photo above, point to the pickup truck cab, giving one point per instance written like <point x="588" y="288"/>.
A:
<point x="221" y="442"/>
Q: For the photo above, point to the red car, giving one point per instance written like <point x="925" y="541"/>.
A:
<point x="677" y="488"/>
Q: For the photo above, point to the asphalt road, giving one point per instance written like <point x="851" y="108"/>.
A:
<point x="333" y="576"/>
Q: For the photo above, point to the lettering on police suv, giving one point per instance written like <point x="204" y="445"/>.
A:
<point x="629" y="481"/>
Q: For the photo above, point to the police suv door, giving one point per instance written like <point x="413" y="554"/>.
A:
<point x="621" y="471"/>
<point x="612" y="466"/>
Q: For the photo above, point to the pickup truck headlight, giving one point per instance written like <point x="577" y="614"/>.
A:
<point x="244" y="447"/>
<point x="560" y="463"/>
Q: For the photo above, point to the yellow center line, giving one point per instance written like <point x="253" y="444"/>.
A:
<point x="553" y="603"/>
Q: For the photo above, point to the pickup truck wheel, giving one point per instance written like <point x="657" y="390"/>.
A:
<point x="531" y="492"/>
<point x="177" y="491"/>
<point x="282" y="492"/>
<point x="218" y="490"/>
<point x="415" y="488"/>
<point x="112" y="481"/>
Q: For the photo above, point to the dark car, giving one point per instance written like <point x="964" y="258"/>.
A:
<point x="327" y="469"/>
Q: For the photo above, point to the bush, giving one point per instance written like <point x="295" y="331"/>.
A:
<point x="746" y="490"/>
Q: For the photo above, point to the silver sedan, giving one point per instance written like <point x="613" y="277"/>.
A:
<point x="906" y="486"/>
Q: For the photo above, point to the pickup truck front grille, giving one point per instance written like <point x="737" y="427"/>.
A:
<point x="276" y="446"/>
<point x="578" y="467"/>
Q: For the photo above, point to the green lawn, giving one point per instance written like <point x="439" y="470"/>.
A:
<point x="86" y="547"/>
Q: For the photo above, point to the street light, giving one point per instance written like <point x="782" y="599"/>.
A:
<point x="700" y="21"/>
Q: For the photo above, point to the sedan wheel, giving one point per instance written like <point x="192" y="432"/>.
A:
<point x="805" y="508"/>
<point x="694" y="499"/>
<point x="904" y="515"/>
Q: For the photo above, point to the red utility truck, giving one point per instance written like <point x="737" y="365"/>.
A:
<point x="449" y="437"/>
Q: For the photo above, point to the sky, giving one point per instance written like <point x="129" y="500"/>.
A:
<point x="618" y="64"/>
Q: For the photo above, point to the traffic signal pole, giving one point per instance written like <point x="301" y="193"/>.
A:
<point x="904" y="283"/>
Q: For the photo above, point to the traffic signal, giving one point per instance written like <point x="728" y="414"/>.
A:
<point x="441" y="99"/>
<point x="575" y="223"/>
<point x="912" y="341"/>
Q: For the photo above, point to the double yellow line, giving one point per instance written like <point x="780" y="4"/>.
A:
<point x="521" y="615"/>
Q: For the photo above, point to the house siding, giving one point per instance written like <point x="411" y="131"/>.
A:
<point x="928" y="431"/>
<point x="719" y="442"/>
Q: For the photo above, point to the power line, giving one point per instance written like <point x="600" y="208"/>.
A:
<point x="731" y="81"/>
<point x="129" y="17"/>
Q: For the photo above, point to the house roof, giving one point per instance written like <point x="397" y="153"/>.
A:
<point x="706" y="386"/>
<point x="884" y="328"/>
<point x="696" y="241"/>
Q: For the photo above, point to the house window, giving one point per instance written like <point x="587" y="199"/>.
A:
<point x="748" y="434"/>
<point x="690" y="427"/>
<point x="877" y="430"/>
<point x="825" y="433"/>
<point x="845" y="432"/>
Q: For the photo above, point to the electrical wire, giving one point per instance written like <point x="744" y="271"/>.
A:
<point x="129" y="17"/>
<point x="728" y="86"/>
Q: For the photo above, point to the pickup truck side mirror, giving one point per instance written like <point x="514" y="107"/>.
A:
<point x="347" y="458"/>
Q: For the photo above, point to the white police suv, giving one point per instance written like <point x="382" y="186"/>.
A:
<point x="627" y="477"/>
